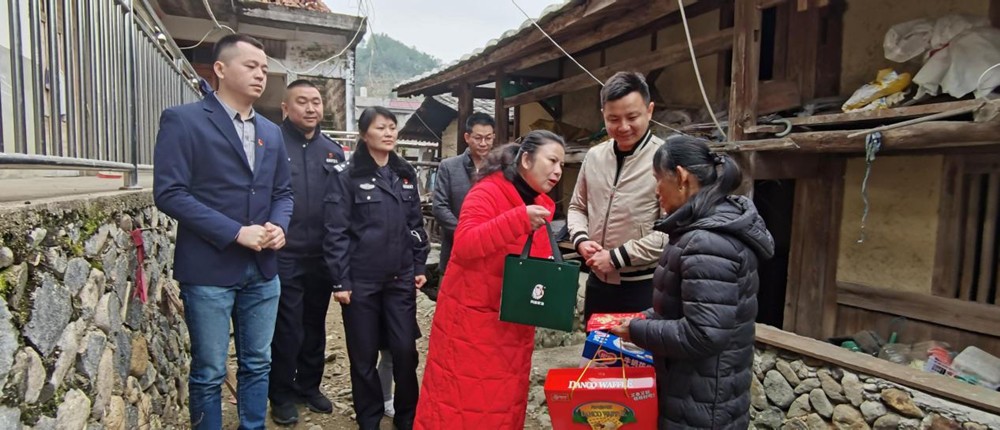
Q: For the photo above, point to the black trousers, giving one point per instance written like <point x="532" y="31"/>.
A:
<point x="386" y="310"/>
<point x="299" y="346"/>
<point x="604" y="298"/>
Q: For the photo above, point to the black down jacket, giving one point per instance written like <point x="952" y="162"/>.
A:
<point x="701" y="327"/>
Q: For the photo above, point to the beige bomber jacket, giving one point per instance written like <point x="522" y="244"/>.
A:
<point x="619" y="215"/>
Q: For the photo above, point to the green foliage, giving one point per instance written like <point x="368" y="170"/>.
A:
<point x="383" y="62"/>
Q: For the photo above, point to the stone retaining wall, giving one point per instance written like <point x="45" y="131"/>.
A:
<point x="78" y="349"/>
<point x="794" y="392"/>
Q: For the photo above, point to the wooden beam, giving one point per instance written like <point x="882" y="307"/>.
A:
<point x="530" y="48"/>
<point x="961" y="314"/>
<point x="502" y="113"/>
<point x="746" y="68"/>
<point x="705" y="45"/>
<point x="931" y="383"/>
<point x="928" y="135"/>
<point x="881" y="114"/>
<point x="464" y="111"/>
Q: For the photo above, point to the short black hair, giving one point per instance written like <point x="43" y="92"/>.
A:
<point x="370" y="113"/>
<point x="301" y="83"/>
<point x="231" y="40"/>
<point x="623" y="84"/>
<point x="479" y="118"/>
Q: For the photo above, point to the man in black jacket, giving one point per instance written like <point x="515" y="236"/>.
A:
<point x="300" y="333"/>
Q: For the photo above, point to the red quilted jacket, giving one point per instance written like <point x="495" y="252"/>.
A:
<point x="478" y="367"/>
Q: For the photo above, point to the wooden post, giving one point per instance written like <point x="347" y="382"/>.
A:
<point x="811" y="294"/>
<point x="746" y="69"/>
<point x="803" y="45"/>
<point x="502" y="113"/>
<point x="464" y="112"/>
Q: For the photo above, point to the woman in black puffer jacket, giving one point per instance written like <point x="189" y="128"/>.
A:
<point x="701" y="327"/>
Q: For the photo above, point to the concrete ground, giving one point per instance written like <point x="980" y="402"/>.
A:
<point x="27" y="190"/>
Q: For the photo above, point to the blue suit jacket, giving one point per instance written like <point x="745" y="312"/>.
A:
<point x="203" y="180"/>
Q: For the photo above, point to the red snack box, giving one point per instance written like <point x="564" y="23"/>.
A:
<point x="607" y="321"/>
<point x="599" y="399"/>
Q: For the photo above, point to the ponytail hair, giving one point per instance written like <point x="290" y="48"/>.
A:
<point x="718" y="174"/>
<point x="506" y="158"/>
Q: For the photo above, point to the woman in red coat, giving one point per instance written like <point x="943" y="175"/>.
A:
<point x="478" y="367"/>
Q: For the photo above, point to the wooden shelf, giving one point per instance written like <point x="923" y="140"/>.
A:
<point x="904" y="112"/>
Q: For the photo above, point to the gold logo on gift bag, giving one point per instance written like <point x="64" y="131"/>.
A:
<point x="603" y="415"/>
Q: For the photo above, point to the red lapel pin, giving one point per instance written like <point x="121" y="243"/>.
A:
<point x="260" y="142"/>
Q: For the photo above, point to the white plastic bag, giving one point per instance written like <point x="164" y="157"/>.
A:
<point x="905" y="41"/>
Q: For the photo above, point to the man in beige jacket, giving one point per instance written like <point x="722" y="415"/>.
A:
<point x="614" y="204"/>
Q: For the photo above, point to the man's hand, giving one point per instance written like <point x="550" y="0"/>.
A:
<point x="275" y="237"/>
<point x="537" y="215"/>
<point x="621" y="330"/>
<point x="342" y="297"/>
<point x="601" y="262"/>
<point x="588" y="248"/>
<point x="420" y="280"/>
<point x="252" y="236"/>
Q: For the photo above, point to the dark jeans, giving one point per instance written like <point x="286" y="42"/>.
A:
<point x="251" y="305"/>
<point x="604" y="298"/>
<point x="299" y="346"/>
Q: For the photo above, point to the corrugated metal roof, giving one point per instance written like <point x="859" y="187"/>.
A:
<point x="550" y="12"/>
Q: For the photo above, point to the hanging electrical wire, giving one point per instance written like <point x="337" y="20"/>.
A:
<point x="585" y="70"/>
<point x="697" y="73"/>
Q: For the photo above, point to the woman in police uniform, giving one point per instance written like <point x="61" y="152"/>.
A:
<point x="376" y="248"/>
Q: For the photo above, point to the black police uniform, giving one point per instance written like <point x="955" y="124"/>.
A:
<point x="375" y="245"/>
<point x="299" y="345"/>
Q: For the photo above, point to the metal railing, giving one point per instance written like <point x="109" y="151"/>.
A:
<point x="84" y="84"/>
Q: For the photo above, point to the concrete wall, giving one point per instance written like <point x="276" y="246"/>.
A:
<point x="77" y="348"/>
<point x="449" y="140"/>
<point x="304" y="50"/>
<point x="865" y="25"/>
<point x="677" y="84"/>
<point x="530" y="113"/>
<point x="901" y="232"/>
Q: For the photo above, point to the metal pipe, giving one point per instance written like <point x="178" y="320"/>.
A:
<point x="17" y="76"/>
<point x="132" y="181"/>
<point x="71" y="79"/>
<point x="101" y="116"/>
<point x="55" y="110"/>
<point x="38" y="123"/>
<point x="50" y="161"/>
<point x="88" y="49"/>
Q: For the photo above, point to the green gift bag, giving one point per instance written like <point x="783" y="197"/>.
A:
<point x="537" y="291"/>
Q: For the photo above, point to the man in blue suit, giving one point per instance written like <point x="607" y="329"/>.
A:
<point x="222" y="172"/>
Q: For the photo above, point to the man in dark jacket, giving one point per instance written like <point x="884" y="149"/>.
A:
<point x="300" y="333"/>
<point x="222" y="172"/>
<point x="455" y="176"/>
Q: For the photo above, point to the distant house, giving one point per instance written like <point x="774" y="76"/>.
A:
<point x="297" y="35"/>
